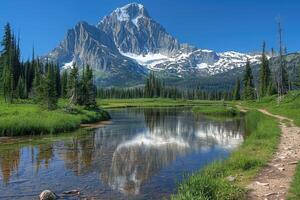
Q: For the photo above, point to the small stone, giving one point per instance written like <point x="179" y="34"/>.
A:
<point x="262" y="184"/>
<point x="231" y="178"/>
<point x="281" y="169"/>
<point x="270" y="194"/>
<point x="48" y="195"/>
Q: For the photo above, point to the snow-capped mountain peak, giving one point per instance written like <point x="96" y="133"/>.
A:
<point x="131" y="12"/>
<point x="127" y="43"/>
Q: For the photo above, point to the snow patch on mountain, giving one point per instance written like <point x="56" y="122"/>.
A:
<point x="68" y="65"/>
<point x="202" y="66"/>
<point x="229" y="60"/>
<point x="135" y="21"/>
<point x="149" y="60"/>
<point x="181" y="62"/>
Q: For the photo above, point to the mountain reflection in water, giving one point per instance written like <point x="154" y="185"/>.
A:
<point x="142" y="153"/>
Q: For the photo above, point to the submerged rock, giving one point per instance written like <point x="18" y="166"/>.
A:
<point x="48" y="195"/>
<point x="72" y="192"/>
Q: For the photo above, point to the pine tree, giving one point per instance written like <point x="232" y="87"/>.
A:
<point x="90" y="100"/>
<point x="16" y="63"/>
<point x="82" y="90"/>
<point x="64" y="84"/>
<point x="153" y="86"/>
<point x="36" y="86"/>
<point x="248" y="90"/>
<point x="236" y="92"/>
<point x="297" y="78"/>
<point x="282" y="75"/>
<point x="21" y="89"/>
<point x="265" y="73"/>
<point x="7" y="62"/>
<point x="57" y="80"/>
<point x="49" y="95"/>
<point x="73" y="85"/>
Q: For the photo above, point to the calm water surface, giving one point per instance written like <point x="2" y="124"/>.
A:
<point x="142" y="154"/>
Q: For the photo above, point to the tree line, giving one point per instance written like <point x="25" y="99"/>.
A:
<point x="40" y="80"/>
<point x="156" y="88"/>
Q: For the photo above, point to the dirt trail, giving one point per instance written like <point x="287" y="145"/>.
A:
<point x="273" y="181"/>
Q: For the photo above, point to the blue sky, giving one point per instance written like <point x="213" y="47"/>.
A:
<point x="239" y="25"/>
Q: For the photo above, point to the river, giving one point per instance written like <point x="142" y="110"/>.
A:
<point x="142" y="154"/>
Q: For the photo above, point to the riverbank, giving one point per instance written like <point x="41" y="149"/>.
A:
<point x="228" y="179"/>
<point x="26" y="118"/>
<point x="217" y="110"/>
<point x="152" y="102"/>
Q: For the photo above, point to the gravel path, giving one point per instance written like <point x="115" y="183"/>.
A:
<point x="273" y="181"/>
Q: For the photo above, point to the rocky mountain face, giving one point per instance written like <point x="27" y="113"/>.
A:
<point x="126" y="44"/>
<point x="134" y="31"/>
<point x="86" y="44"/>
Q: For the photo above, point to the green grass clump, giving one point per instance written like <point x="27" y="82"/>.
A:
<point x="26" y="118"/>
<point x="211" y="183"/>
<point x="221" y="110"/>
<point x="294" y="192"/>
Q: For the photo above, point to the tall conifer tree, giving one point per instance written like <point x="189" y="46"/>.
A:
<point x="265" y="73"/>
<point x="73" y="85"/>
<point x="236" y="92"/>
<point x="248" y="90"/>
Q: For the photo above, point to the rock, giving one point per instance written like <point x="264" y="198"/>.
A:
<point x="281" y="169"/>
<point x="270" y="194"/>
<point x="263" y="184"/>
<point x="48" y="195"/>
<point x="231" y="178"/>
<point x="293" y="163"/>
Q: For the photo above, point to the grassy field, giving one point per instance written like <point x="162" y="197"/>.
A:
<point x="154" y="102"/>
<point x="212" y="182"/>
<point x="288" y="107"/>
<point x="25" y="118"/>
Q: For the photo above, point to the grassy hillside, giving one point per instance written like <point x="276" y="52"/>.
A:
<point x="288" y="107"/>
<point x="26" y="118"/>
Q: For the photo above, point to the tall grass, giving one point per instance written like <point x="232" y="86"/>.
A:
<point x="29" y="119"/>
<point x="211" y="183"/>
<point x="217" y="110"/>
<point x="294" y="192"/>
